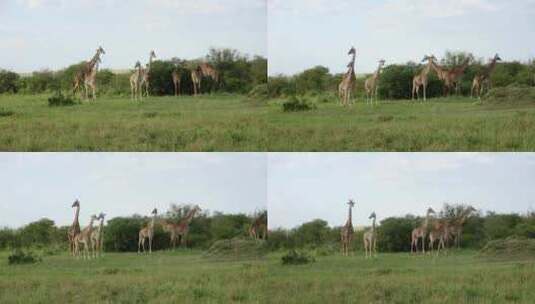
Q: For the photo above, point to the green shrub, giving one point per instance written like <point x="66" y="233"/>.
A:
<point x="59" y="100"/>
<point x="510" y="94"/>
<point x="5" y="113"/>
<point x="294" y="257"/>
<point x="295" y="104"/>
<point x="236" y="249"/>
<point x="20" y="257"/>
<point x="509" y="248"/>
<point x="259" y="92"/>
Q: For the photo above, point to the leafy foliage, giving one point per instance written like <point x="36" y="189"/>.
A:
<point x="295" y="104"/>
<point x="20" y="257"/>
<point x="294" y="257"/>
<point x="59" y="100"/>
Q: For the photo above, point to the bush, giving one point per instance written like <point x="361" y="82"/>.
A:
<point x="20" y="257"/>
<point x="295" y="104"/>
<point x="236" y="249"/>
<point x="259" y="92"/>
<point x="510" y="94"/>
<point x="8" y="82"/>
<point x="5" y="113"/>
<point x="294" y="257"/>
<point x="509" y="248"/>
<point x="59" y="100"/>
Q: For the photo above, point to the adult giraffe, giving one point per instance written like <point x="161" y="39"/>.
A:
<point x="75" y="227"/>
<point x="147" y="233"/>
<point x="179" y="232"/>
<point x="145" y="76"/>
<point x="421" y="232"/>
<point x="258" y="228"/>
<point x="86" y="76"/>
<point x="346" y="233"/>
<point x="484" y="77"/>
<point x="347" y="85"/>
<point x="421" y="80"/>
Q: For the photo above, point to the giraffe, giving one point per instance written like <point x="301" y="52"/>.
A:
<point x="348" y="81"/>
<point x="135" y="82"/>
<point x="455" y="74"/>
<point x="442" y="75"/>
<point x="207" y="70"/>
<point x="421" y="232"/>
<point x="196" y="76"/>
<point x="183" y="226"/>
<point x="145" y="76"/>
<point x="75" y="227"/>
<point x="421" y="79"/>
<point x="176" y="81"/>
<point x="370" y="238"/>
<point x="97" y="236"/>
<point x="85" y="72"/>
<point x="456" y="227"/>
<point x="440" y="231"/>
<point x="347" y="231"/>
<point x="84" y="238"/>
<point x="147" y="233"/>
<point x="371" y="84"/>
<point x="258" y="228"/>
<point x="484" y="77"/>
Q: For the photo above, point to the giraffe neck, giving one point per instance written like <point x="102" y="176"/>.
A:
<point x="189" y="216"/>
<point x="76" y="215"/>
<point x="349" y="217"/>
<point x="426" y="222"/>
<point x="373" y="225"/>
<point x="152" y="222"/>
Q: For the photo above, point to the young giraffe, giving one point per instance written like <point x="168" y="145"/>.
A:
<point x="145" y="78"/>
<point x="456" y="228"/>
<point x="347" y="86"/>
<point x="147" y="233"/>
<point x="74" y="230"/>
<point x="370" y="238"/>
<point x="196" y="76"/>
<point x="347" y="231"/>
<point x="420" y="232"/>
<point x="183" y="226"/>
<point x="439" y="231"/>
<point x="177" y="78"/>
<point x="258" y="228"/>
<point x="209" y="71"/>
<point x="421" y="79"/>
<point x="135" y="82"/>
<point x="97" y="236"/>
<point x="484" y="77"/>
<point x="84" y="239"/>
<point x="442" y="75"/>
<point x="371" y="84"/>
<point x="81" y="77"/>
<point x="455" y="74"/>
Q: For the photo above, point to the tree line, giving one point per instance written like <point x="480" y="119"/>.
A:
<point x="239" y="74"/>
<point x="395" y="81"/>
<point x="121" y="233"/>
<point x="394" y="233"/>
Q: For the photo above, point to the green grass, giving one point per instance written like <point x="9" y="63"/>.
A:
<point x="164" y="277"/>
<point x="235" y="123"/>
<point x="461" y="277"/>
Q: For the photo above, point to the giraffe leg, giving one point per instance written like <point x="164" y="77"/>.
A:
<point x="425" y="93"/>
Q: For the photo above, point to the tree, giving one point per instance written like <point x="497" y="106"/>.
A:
<point x="9" y="82"/>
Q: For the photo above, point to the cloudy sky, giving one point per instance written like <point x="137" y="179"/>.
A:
<point x="37" y="185"/>
<point x="305" y="33"/>
<point x="307" y="186"/>
<point x="38" y="34"/>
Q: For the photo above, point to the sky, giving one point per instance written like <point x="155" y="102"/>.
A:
<point x="307" y="186"/>
<point x="37" y="34"/>
<point x="306" y="33"/>
<point x="38" y="185"/>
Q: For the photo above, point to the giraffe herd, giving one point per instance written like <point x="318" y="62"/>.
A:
<point x="88" y="242"/>
<point x="140" y="80"/>
<point x="450" y="78"/>
<point x="439" y="231"/>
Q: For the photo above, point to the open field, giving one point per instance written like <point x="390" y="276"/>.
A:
<point x="164" y="277"/>
<point x="461" y="277"/>
<point x="235" y="123"/>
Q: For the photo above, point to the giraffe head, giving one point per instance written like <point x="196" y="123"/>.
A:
<point x="351" y="203"/>
<point x="429" y="58"/>
<point x="76" y="203"/>
<point x="101" y="216"/>
<point x="372" y="216"/>
<point x="381" y="63"/>
<point x="100" y="50"/>
<point x="197" y="208"/>
<point x="138" y="64"/>
<point x="94" y="217"/>
<point x="352" y="51"/>
<point x="154" y="211"/>
<point x="152" y="55"/>
<point x="430" y="211"/>
<point x="497" y="57"/>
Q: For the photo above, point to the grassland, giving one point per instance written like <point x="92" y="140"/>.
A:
<point x="462" y="277"/>
<point x="164" y="277"/>
<point x="236" y="123"/>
